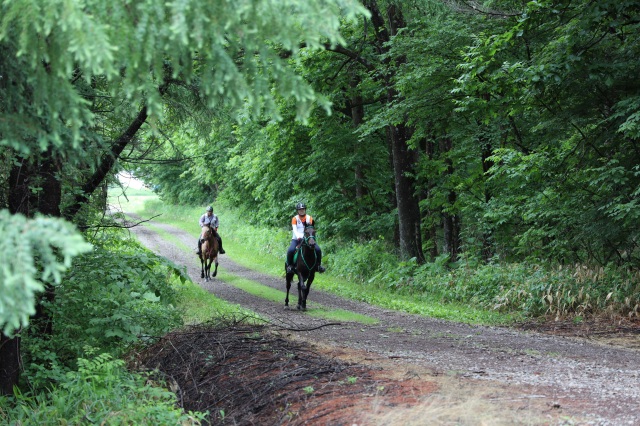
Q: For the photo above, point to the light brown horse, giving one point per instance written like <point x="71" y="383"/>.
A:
<point x="209" y="253"/>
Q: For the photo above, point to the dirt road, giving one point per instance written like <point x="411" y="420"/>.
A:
<point x="477" y="375"/>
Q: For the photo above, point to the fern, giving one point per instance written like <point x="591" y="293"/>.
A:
<point x="32" y="251"/>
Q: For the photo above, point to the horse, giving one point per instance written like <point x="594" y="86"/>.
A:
<point x="306" y="265"/>
<point x="209" y="253"/>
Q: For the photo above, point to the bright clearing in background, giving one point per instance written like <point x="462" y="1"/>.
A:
<point x="128" y="180"/>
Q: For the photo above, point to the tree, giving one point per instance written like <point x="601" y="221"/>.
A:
<point x="565" y="185"/>
<point x="69" y="101"/>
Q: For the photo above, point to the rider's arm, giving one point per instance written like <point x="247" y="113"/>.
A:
<point x="294" y="226"/>
<point x="202" y="220"/>
<point x="215" y="222"/>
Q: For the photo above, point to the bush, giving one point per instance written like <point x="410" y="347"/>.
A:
<point x="536" y="290"/>
<point x="109" y="300"/>
<point x="363" y="262"/>
<point x="101" y="391"/>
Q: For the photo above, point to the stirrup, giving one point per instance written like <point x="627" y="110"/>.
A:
<point x="289" y="269"/>
<point x="321" y="269"/>
<point x="222" y="251"/>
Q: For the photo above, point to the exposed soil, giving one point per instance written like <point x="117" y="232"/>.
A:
<point x="406" y="370"/>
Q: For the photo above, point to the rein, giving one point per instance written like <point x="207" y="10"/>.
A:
<point x="315" y="254"/>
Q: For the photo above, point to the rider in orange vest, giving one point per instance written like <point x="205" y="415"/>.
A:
<point x="298" y="222"/>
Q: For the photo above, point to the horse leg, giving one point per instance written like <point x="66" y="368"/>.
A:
<point x="208" y="270"/>
<point x="288" y="282"/>
<point x="301" y="291"/>
<point x="288" y="279"/>
<point x="306" y="290"/>
<point x="215" y="271"/>
<point x="202" y="262"/>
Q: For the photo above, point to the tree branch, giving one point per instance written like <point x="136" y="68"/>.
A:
<point x="106" y="164"/>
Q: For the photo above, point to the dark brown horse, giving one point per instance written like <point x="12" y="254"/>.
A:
<point x="306" y="265"/>
<point x="209" y="253"/>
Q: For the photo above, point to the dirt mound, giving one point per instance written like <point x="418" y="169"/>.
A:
<point x="245" y="374"/>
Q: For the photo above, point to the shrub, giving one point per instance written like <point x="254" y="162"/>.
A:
<point x="536" y="290"/>
<point x="109" y="300"/>
<point x="364" y="262"/>
<point x="100" y="391"/>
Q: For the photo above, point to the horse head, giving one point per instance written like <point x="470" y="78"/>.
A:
<point x="309" y="236"/>
<point x="206" y="233"/>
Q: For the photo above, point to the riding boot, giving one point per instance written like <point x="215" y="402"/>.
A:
<point x="321" y="268"/>
<point x="220" y="249"/>
<point x="199" y="247"/>
<point x="289" y="264"/>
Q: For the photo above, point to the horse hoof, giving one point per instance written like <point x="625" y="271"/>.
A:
<point x="202" y="275"/>
<point x="299" y="307"/>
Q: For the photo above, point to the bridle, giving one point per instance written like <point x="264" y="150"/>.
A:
<point x="305" y="242"/>
<point x="206" y="235"/>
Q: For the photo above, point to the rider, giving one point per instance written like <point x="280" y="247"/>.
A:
<point x="210" y="219"/>
<point x="298" y="222"/>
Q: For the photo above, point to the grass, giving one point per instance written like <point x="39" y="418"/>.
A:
<point x="241" y="240"/>
<point x="198" y="305"/>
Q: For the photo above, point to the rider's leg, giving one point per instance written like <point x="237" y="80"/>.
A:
<point x="290" y="252"/>
<point x="220" y="249"/>
<point x="321" y="268"/>
<point x="199" y="247"/>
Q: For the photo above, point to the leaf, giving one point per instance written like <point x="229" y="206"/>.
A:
<point x="32" y="251"/>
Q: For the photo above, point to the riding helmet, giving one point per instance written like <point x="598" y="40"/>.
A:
<point x="209" y="208"/>
<point x="300" y="206"/>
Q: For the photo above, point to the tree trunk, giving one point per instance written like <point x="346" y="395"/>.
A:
<point x="487" y="246"/>
<point x="451" y="221"/>
<point x="106" y="164"/>
<point x="431" y="233"/>
<point x="23" y="177"/>
<point x="9" y="363"/>
<point x="409" y="239"/>
<point x="404" y="160"/>
<point x="357" y="117"/>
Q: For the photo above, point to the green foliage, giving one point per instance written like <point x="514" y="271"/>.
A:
<point x="32" y="252"/>
<point x="535" y="290"/>
<point x="563" y="183"/>
<point x="100" y="391"/>
<point x="135" y="48"/>
<point x="117" y="295"/>
<point x="359" y="262"/>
